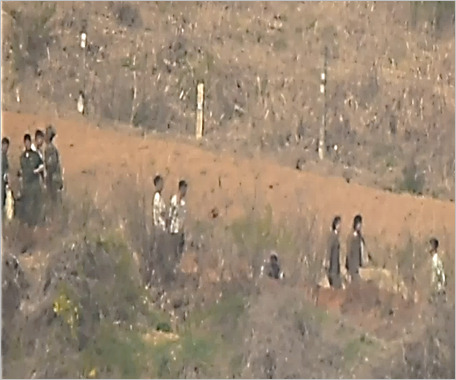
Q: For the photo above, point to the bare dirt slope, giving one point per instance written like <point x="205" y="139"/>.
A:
<point x="98" y="162"/>
<point x="96" y="159"/>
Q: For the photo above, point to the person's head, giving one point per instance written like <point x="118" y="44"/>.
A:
<point x="337" y="221"/>
<point x="50" y="133"/>
<point x="357" y="223"/>
<point x="434" y="243"/>
<point x="158" y="182"/>
<point x="39" y="138"/>
<point x="182" y="188"/>
<point x="27" y="142"/>
<point x="273" y="258"/>
<point x="5" y="144"/>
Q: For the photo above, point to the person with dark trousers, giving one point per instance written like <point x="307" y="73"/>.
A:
<point x="334" y="254"/>
<point x="5" y="168"/>
<point x="175" y="224"/>
<point x="155" y="262"/>
<point x="38" y="147"/>
<point x="31" y="195"/>
<point x="355" y="250"/>
<point x="54" y="180"/>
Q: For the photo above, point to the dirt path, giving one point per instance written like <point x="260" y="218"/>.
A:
<point x="95" y="159"/>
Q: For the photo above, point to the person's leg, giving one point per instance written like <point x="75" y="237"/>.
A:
<point x="26" y="205"/>
<point x="38" y="206"/>
<point x="3" y="194"/>
<point x="335" y="280"/>
<point x="167" y="258"/>
<point x="355" y="278"/>
<point x="151" y="258"/>
<point x="180" y="246"/>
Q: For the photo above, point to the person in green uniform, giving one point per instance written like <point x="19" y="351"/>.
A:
<point x="5" y="168"/>
<point x="31" y="196"/>
<point x="334" y="254"/>
<point x="54" y="181"/>
<point x="38" y="147"/>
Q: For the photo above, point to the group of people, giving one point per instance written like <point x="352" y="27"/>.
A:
<point x="169" y="238"/>
<point x="357" y="257"/>
<point x="40" y="176"/>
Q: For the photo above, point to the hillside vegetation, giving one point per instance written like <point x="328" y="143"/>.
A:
<point x="74" y="304"/>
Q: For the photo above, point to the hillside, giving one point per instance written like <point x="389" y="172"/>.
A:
<point x="390" y="92"/>
<point x="74" y="302"/>
<point x="108" y="176"/>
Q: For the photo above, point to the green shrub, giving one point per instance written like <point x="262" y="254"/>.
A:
<point x="412" y="180"/>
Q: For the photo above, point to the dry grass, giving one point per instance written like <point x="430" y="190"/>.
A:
<point x="212" y="319"/>
<point x="261" y="64"/>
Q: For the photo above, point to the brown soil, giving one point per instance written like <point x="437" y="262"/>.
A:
<point x="96" y="160"/>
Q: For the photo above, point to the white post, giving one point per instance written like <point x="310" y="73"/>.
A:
<point x="321" y="139"/>
<point x="135" y="91"/>
<point x="199" y="111"/>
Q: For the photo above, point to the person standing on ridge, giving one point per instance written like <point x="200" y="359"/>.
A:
<point x="38" y="148"/>
<point x="176" y="220"/>
<point x="31" y="195"/>
<point x="154" y="263"/>
<point x="356" y="250"/>
<point x="438" y="278"/>
<point x="53" y="170"/>
<point x="5" y="168"/>
<point x="334" y="254"/>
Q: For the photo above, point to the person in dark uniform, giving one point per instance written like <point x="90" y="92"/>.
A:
<point x="5" y="168"/>
<point x="31" y="195"/>
<point x="38" y="147"/>
<point x="54" y="181"/>
<point x="274" y="267"/>
<point x="355" y="250"/>
<point x="334" y="254"/>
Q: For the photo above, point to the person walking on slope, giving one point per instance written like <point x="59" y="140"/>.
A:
<point x="355" y="250"/>
<point x="177" y="215"/>
<point x="31" y="166"/>
<point x="158" y="205"/>
<point x="5" y="168"/>
<point x="38" y="148"/>
<point x="334" y="254"/>
<point x="159" y="233"/>
<point x="53" y="170"/>
<point x="438" y="279"/>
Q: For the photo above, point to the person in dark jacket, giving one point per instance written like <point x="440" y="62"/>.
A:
<point x="5" y="168"/>
<point x="271" y="267"/>
<point x="38" y="147"/>
<point x="274" y="267"/>
<point x="334" y="254"/>
<point x="54" y="181"/>
<point x="355" y="250"/>
<point x="31" y="194"/>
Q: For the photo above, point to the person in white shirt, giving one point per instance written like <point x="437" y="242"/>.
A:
<point x="438" y="279"/>
<point x="158" y="205"/>
<point x="155" y="263"/>
<point x="177" y="214"/>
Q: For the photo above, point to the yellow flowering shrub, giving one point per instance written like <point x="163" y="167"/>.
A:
<point x="66" y="309"/>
